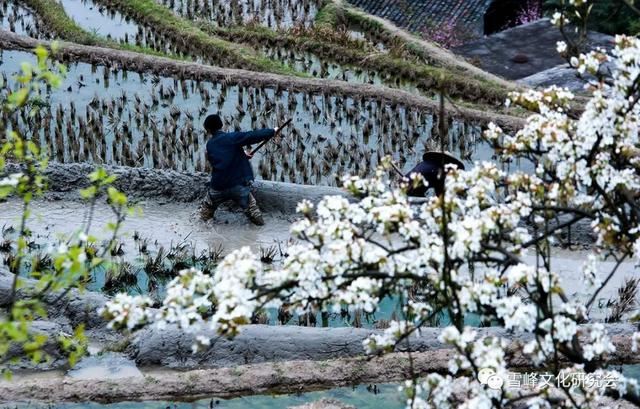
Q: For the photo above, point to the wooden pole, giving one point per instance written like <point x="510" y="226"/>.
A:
<point x="287" y="122"/>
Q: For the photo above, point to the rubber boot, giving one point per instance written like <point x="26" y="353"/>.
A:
<point x="207" y="210"/>
<point x="253" y="212"/>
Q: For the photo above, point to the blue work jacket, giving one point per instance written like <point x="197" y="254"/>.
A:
<point x="229" y="164"/>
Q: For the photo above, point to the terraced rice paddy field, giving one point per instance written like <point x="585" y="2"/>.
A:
<point x="111" y="113"/>
<point x="122" y="117"/>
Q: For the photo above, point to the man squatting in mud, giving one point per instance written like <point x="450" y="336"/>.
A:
<point x="231" y="173"/>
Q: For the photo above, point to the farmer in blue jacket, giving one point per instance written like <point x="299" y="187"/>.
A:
<point x="231" y="173"/>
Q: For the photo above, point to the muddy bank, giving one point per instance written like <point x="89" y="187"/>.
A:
<point x="71" y="310"/>
<point x="64" y="313"/>
<point x="284" y="377"/>
<point x="190" y="187"/>
<point x="281" y="377"/>
<point x="65" y="180"/>
<point x="171" y="348"/>
<point x="188" y="70"/>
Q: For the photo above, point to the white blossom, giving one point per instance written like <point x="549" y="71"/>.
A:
<point x="126" y="311"/>
<point x="459" y="253"/>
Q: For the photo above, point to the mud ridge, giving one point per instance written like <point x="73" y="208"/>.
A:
<point x="64" y="181"/>
<point x="291" y="376"/>
<point x="171" y="68"/>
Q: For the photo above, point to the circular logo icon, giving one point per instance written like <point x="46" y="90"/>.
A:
<point x="495" y="382"/>
<point x="484" y="374"/>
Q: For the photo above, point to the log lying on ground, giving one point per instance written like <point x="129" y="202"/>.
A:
<point x="167" y="67"/>
<point x="281" y="377"/>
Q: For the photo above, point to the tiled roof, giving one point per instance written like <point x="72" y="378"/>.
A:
<point x="536" y="41"/>
<point x="417" y="14"/>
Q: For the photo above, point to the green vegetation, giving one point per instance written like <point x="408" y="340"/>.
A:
<point x="58" y="22"/>
<point x="338" y="47"/>
<point x="428" y="52"/>
<point x="404" y="60"/>
<point x="377" y="32"/>
<point x="56" y="19"/>
<point x="187" y="37"/>
<point x="329" y="16"/>
<point x="53" y="274"/>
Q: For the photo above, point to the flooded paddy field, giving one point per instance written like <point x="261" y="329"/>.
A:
<point x="108" y="22"/>
<point x="163" y="224"/>
<point x="122" y="117"/>
<point x="113" y="115"/>
<point x="175" y="227"/>
<point x="164" y="229"/>
<point x="20" y="20"/>
<point x="275" y="14"/>
<point x="103" y="21"/>
<point x="311" y="64"/>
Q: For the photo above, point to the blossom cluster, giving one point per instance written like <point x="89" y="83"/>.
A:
<point x="459" y="253"/>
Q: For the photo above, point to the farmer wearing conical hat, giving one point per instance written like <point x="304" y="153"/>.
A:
<point x="432" y="169"/>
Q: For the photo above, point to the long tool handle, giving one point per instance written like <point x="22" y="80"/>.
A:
<point x="398" y="171"/>
<point x="287" y="122"/>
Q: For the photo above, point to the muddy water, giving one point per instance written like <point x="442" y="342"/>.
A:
<point x="105" y="366"/>
<point x="120" y="117"/>
<point x="166" y="223"/>
<point x="172" y="223"/>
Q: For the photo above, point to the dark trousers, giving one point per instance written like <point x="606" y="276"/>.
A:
<point x="238" y="194"/>
<point x="241" y="195"/>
